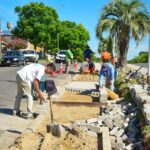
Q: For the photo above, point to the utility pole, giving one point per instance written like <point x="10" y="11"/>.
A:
<point x="0" y="41"/>
<point x="148" y="77"/>
<point x="58" y="41"/>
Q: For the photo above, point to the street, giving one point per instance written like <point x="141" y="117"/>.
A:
<point x="8" y="86"/>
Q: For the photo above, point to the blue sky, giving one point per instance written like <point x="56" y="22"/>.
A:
<point x="86" y="12"/>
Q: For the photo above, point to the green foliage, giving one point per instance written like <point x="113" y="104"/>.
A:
<point x="141" y="58"/>
<point x="36" y="23"/>
<point x="77" y="54"/>
<point x="54" y="51"/>
<point x="41" y="26"/>
<point x="123" y="20"/>
<point x="123" y="86"/>
<point x="94" y="58"/>
<point x="147" y="128"/>
<point x="72" y="35"/>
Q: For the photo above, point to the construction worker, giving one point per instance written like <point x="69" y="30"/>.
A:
<point x="106" y="56"/>
<point x="92" y="67"/>
<point x="87" y="67"/>
<point x="107" y="72"/>
<point x="115" y="63"/>
<point x="84" y="68"/>
<point x="87" y="53"/>
<point x="69" y="57"/>
<point x="25" y="77"/>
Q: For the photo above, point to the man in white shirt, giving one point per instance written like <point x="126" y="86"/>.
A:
<point x="28" y="75"/>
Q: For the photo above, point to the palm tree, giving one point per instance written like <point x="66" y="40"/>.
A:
<point x="124" y="20"/>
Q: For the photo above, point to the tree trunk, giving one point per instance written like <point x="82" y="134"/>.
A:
<point x="35" y="46"/>
<point x="123" y="49"/>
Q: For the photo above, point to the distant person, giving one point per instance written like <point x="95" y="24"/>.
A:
<point x="87" y="67"/>
<point x="107" y="72"/>
<point x="84" y="68"/>
<point x="92" y="67"/>
<point x="115" y="63"/>
<point x="87" y="53"/>
<point x="69" y="57"/>
<point x="28" y="75"/>
<point x="106" y="56"/>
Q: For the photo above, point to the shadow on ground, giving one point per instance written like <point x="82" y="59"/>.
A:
<point x="7" y="111"/>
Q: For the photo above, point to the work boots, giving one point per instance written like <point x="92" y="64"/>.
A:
<point x="17" y="113"/>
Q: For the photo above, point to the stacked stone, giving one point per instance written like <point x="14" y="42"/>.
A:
<point x="142" y="100"/>
<point x="120" y="122"/>
<point x="103" y="96"/>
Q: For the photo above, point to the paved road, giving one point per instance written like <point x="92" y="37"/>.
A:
<point x="8" y="85"/>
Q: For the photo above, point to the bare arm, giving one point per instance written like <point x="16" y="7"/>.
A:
<point x="36" y="86"/>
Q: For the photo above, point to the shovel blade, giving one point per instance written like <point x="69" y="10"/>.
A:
<point x="54" y="129"/>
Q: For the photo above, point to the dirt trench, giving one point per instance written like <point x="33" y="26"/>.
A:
<point x="64" y="115"/>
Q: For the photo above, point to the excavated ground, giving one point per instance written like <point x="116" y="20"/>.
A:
<point x="75" y="139"/>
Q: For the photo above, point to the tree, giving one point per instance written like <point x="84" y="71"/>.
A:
<point x="73" y="36"/>
<point x="36" y="23"/>
<point x="124" y="20"/>
<point x="141" y="58"/>
<point x="17" y="43"/>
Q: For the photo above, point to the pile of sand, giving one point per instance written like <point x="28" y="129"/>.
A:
<point x="76" y="139"/>
<point x="30" y="141"/>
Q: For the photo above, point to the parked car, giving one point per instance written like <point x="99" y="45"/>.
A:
<point x="60" y="56"/>
<point x="13" y="57"/>
<point x="31" y="56"/>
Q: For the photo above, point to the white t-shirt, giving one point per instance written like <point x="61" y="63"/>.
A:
<point x="32" y="71"/>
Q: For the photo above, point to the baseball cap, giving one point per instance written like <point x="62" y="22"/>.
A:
<point x="104" y="67"/>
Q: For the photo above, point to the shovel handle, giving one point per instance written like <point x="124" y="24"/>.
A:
<point x="51" y="109"/>
<point x="51" y="104"/>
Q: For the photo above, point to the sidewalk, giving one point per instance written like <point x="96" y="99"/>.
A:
<point x="10" y="128"/>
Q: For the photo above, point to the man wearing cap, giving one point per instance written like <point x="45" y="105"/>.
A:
<point x="28" y="75"/>
<point x="107" y="71"/>
<point x="105" y="56"/>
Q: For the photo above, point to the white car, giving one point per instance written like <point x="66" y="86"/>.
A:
<point x="31" y="56"/>
<point x="60" y="56"/>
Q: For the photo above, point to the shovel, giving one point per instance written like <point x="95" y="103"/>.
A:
<point x="54" y="129"/>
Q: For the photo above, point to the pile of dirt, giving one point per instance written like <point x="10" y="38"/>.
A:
<point x="76" y="139"/>
<point x="27" y="141"/>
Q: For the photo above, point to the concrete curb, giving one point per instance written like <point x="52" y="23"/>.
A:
<point x="106" y="141"/>
<point x="34" y="125"/>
